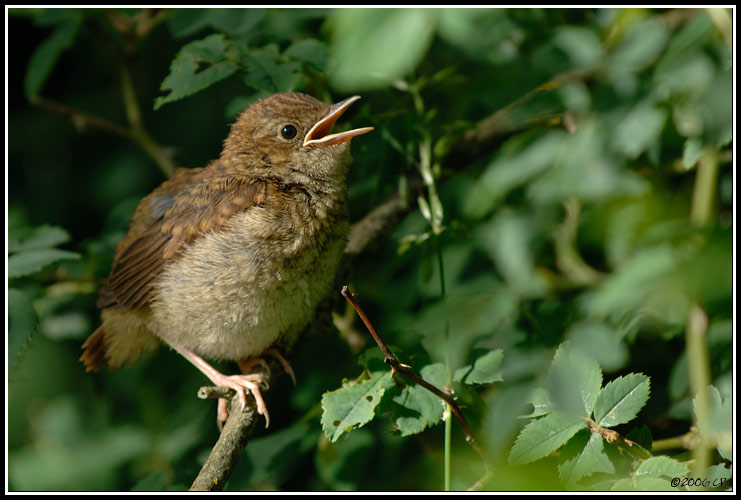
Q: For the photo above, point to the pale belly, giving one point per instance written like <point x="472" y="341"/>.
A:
<point x="243" y="296"/>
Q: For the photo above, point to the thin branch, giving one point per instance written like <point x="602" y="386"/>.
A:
<point x="80" y="119"/>
<point x="227" y="450"/>
<point x="398" y="367"/>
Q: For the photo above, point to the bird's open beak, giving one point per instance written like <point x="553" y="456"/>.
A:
<point x="320" y="133"/>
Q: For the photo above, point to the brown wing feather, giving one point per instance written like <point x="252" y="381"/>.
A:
<point x="201" y="203"/>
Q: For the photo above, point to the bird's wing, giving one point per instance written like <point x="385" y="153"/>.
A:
<point x="189" y="204"/>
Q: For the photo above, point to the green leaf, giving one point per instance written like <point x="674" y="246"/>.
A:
<point x="353" y="404"/>
<point x="581" y="44"/>
<point x="32" y="261"/>
<point x="642" y="45"/>
<point x="662" y="466"/>
<point x="639" y="129"/>
<point x="621" y="400"/>
<point x="41" y="237"/>
<point x="424" y="408"/>
<point x="692" y="152"/>
<point x="541" y="401"/>
<point x="309" y="51"/>
<point x="719" y="476"/>
<point x="543" y="436"/>
<point x="372" y="48"/>
<point x="197" y="66"/>
<point x="269" y="71"/>
<point x="589" y="460"/>
<point x="600" y="342"/>
<point x="718" y="425"/>
<point x="21" y="324"/>
<point x="574" y="381"/>
<point x="510" y="171"/>
<point x="485" y="370"/>
<point x="47" y="53"/>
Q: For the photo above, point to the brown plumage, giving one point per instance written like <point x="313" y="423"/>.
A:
<point x="229" y="261"/>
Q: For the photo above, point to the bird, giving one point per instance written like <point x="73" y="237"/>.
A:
<point x="229" y="261"/>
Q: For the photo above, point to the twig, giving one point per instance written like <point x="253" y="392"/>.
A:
<point x="397" y="366"/>
<point x="227" y="450"/>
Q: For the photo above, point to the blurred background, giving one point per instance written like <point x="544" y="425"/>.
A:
<point x="576" y="184"/>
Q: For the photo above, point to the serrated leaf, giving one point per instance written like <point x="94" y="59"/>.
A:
<point x="653" y="482"/>
<point x="485" y="370"/>
<point x="662" y="466"/>
<point x="269" y="71"/>
<point x="41" y="237"/>
<point x="21" y="324"/>
<point x="574" y="381"/>
<point x="31" y="261"/>
<point x="47" y="53"/>
<point x="197" y="66"/>
<point x="621" y="400"/>
<point x="353" y="404"/>
<point x="425" y="409"/>
<point x="541" y="401"/>
<point x="543" y="436"/>
<point x="591" y="459"/>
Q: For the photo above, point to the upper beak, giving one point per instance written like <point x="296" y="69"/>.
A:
<point x="320" y="132"/>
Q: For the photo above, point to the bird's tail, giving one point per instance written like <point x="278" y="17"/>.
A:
<point x="94" y="357"/>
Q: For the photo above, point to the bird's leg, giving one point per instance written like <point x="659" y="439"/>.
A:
<point x="239" y="383"/>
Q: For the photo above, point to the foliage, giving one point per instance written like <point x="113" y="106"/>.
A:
<point x="572" y="177"/>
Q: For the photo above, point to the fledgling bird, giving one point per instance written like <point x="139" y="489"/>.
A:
<point x="229" y="261"/>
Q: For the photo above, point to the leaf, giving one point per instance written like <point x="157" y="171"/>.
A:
<point x="31" y="261"/>
<point x="47" y="54"/>
<point x="719" y="476"/>
<point x="591" y="459"/>
<point x="621" y="400"/>
<point x="692" y="152"/>
<point x="353" y="404"/>
<point x="485" y="370"/>
<point x="717" y="426"/>
<point x="309" y="51"/>
<point x="639" y="129"/>
<point x="268" y="71"/>
<point x="374" y="47"/>
<point x="197" y="66"/>
<point x="541" y="401"/>
<point x="510" y="171"/>
<point x="543" y="436"/>
<point x="21" y="324"/>
<point x="662" y="466"/>
<point x="581" y="44"/>
<point x="574" y="381"/>
<point x="425" y="408"/>
<point x="642" y="45"/>
<point x="41" y="237"/>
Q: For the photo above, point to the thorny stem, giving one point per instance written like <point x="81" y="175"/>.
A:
<point x="398" y="367"/>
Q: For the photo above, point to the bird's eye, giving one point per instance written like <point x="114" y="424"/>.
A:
<point x="288" y="132"/>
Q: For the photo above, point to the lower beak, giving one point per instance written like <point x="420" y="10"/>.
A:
<point x="320" y="133"/>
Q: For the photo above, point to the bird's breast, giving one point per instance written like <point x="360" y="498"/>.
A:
<point x="235" y="292"/>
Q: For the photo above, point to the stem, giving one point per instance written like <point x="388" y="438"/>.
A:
<point x="703" y="199"/>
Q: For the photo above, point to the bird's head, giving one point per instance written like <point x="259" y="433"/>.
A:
<point x="289" y="136"/>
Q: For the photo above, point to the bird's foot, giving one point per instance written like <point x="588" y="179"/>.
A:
<point x="247" y="364"/>
<point x="239" y="383"/>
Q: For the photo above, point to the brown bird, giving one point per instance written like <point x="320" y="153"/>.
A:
<point x="229" y="261"/>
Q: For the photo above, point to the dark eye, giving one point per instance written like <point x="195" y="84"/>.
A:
<point x="288" y="132"/>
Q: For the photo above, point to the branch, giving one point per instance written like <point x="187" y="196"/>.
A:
<point x="397" y="366"/>
<point x="227" y="450"/>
